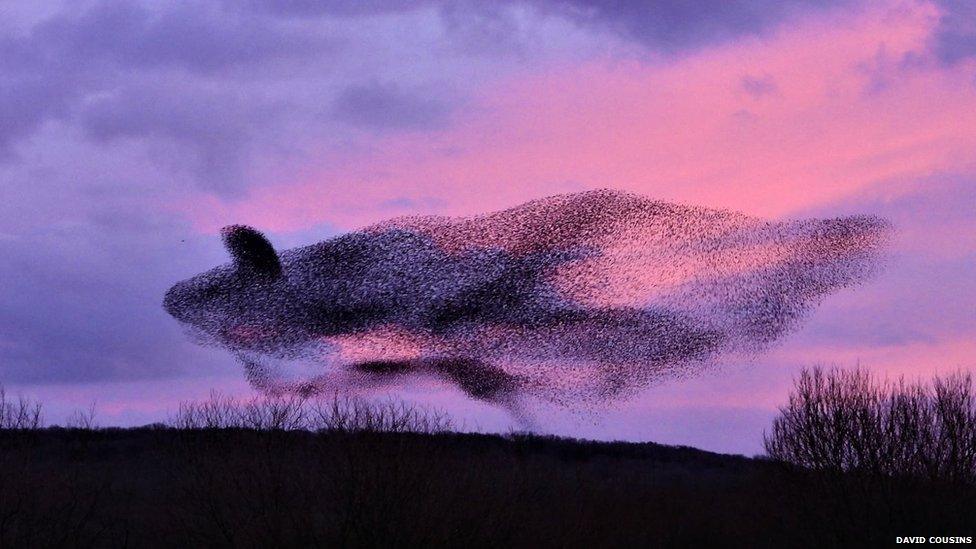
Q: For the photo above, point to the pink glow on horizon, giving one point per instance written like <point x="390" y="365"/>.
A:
<point x="914" y="360"/>
<point x="842" y="107"/>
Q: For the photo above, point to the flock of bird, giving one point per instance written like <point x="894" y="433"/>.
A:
<point x="577" y="299"/>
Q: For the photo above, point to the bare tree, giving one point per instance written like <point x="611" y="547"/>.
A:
<point x="846" y="421"/>
<point x="21" y="414"/>
<point x="83" y="419"/>
<point x="340" y="413"/>
<point x="217" y="412"/>
<point x="355" y="414"/>
<point x="275" y="413"/>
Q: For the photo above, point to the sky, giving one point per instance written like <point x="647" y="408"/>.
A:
<point x="131" y="132"/>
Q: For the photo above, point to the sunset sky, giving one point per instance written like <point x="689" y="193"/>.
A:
<point x="131" y="132"/>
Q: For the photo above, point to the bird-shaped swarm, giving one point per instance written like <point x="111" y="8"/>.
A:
<point x="578" y="298"/>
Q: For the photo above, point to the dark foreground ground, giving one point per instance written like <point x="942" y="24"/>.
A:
<point x="215" y="488"/>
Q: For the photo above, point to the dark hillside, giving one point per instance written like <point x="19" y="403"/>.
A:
<point x="156" y="487"/>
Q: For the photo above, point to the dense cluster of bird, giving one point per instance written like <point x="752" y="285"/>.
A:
<point x="577" y="299"/>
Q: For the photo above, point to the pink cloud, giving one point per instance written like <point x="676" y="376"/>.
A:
<point x="851" y="101"/>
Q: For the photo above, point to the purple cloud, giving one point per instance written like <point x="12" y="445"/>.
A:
<point x="671" y="26"/>
<point x="79" y="303"/>
<point x="759" y="86"/>
<point x="677" y="25"/>
<point x="343" y="8"/>
<point x="25" y="103"/>
<point x="956" y="36"/>
<point x="213" y="129"/>
<point x="126" y="70"/>
<point x="377" y="105"/>
<point x="198" y="37"/>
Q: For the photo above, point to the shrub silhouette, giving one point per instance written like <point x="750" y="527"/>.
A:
<point x="83" y="419"/>
<point x="347" y="414"/>
<point x="846" y="421"/>
<point x="336" y="414"/>
<point x="19" y="414"/>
